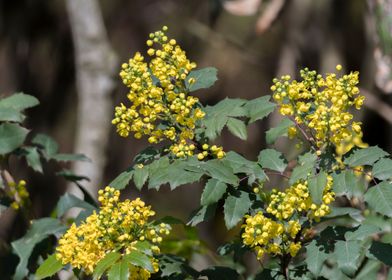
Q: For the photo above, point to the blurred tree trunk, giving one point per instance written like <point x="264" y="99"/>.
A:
<point x="95" y="67"/>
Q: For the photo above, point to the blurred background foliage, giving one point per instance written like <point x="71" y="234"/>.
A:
<point x="248" y="41"/>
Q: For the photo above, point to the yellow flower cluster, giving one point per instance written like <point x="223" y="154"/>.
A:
<point x="213" y="150"/>
<point x="279" y="233"/>
<point x="18" y="193"/>
<point x="161" y="107"/>
<point x="118" y="226"/>
<point x="321" y="106"/>
<point x="297" y="200"/>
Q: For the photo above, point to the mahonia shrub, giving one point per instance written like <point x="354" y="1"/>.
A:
<point x="322" y="211"/>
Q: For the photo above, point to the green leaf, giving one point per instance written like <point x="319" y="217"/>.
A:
<point x="204" y="78"/>
<point x="279" y="130"/>
<point x="202" y="214"/>
<point x="379" y="198"/>
<point x="235" y="207"/>
<point x="119" y="271"/>
<point x="140" y="176"/>
<point x="170" y="265"/>
<point x="347" y="255"/>
<point x="68" y="201"/>
<point x="362" y="232"/>
<point x="23" y="247"/>
<point x="49" y="146"/>
<point x="272" y="159"/>
<point x="369" y="270"/>
<point x="220" y="272"/>
<point x="346" y="183"/>
<point x="239" y="164"/>
<point x="213" y="191"/>
<point x="259" y="108"/>
<point x="33" y="158"/>
<point x="12" y="137"/>
<point x="238" y="128"/>
<point x="218" y="115"/>
<point x="71" y="176"/>
<point x="305" y="168"/>
<point x="158" y="173"/>
<point x="122" y="180"/>
<point x="19" y="101"/>
<point x="316" y="187"/>
<point x="382" y="169"/>
<point x="366" y="156"/>
<point x="315" y="257"/>
<point x="382" y="252"/>
<point x="49" y="267"/>
<point x="139" y="259"/>
<point x="105" y="263"/>
<point x="70" y="157"/>
<point x="178" y="174"/>
<point x="217" y="169"/>
<point x="10" y="115"/>
<point x="354" y="213"/>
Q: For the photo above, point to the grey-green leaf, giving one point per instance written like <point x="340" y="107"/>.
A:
<point x="204" y="78"/>
<point x="366" y="156"/>
<point x="272" y="159"/>
<point x="10" y="115"/>
<point x="139" y="259"/>
<point x="140" y="176"/>
<point x="279" y="130"/>
<point x="213" y="191"/>
<point x="347" y="255"/>
<point x="305" y="168"/>
<point x="23" y="247"/>
<point x="202" y="214"/>
<point x="235" y="207"/>
<point x="122" y="180"/>
<point x="49" y="146"/>
<point x="70" y="157"/>
<point x="219" y="170"/>
<point x="346" y="183"/>
<point x="105" y="263"/>
<point x="382" y="169"/>
<point x="19" y="101"/>
<point x="33" y="158"/>
<point x="315" y="258"/>
<point x="68" y="201"/>
<point x="119" y="271"/>
<point x="362" y="232"/>
<point x="259" y="108"/>
<point x="379" y="198"/>
<point x="12" y="136"/>
<point x="238" y="128"/>
<point x="316" y="187"/>
<point x="49" y="267"/>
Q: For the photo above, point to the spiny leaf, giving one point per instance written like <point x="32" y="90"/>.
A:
<point x="272" y="159"/>
<point x="49" y="146"/>
<point x="140" y="175"/>
<point x="23" y="247"/>
<point x="304" y="169"/>
<point x="204" y="213"/>
<point x="12" y="137"/>
<point x="259" y="108"/>
<point x="122" y="180"/>
<point x="315" y="258"/>
<point x="347" y="254"/>
<point x="379" y="198"/>
<point x="362" y="232"/>
<point x="33" y="158"/>
<point x="382" y="169"/>
<point x="346" y="183"/>
<point x="70" y="157"/>
<point x="213" y="191"/>
<point x="139" y="259"/>
<point x="235" y="207"/>
<point x="105" y="263"/>
<point x="366" y="156"/>
<point x="204" y="78"/>
<point x="279" y="130"/>
<point x="10" y="115"/>
<point x="238" y="128"/>
<point x="68" y="201"/>
<point x="19" y="101"/>
<point x="219" y="170"/>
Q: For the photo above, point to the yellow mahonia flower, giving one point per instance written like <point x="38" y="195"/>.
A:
<point x="18" y="193"/>
<point x="322" y="106"/>
<point x="118" y="226"/>
<point x="158" y="95"/>
<point x="278" y="234"/>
